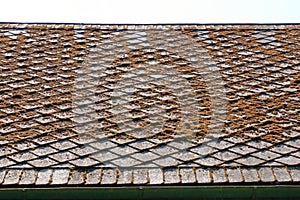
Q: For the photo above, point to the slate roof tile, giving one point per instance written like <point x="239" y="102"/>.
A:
<point x="154" y="104"/>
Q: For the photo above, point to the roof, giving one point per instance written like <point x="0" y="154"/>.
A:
<point x="149" y="104"/>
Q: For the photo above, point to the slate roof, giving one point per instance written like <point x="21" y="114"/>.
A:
<point x="149" y="104"/>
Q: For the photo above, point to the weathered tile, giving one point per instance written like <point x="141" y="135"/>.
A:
<point x="101" y="145"/>
<point x="12" y="177"/>
<point x="123" y="150"/>
<point x="250" y="175"/>
<point x="42" y="162"/>
<point x="140" y="176"/>
<point x="220" y="144"/>
<point x="28" y="177"/>
<point x="83" y="150"/>
<point x="126" y="162"/>
<point x="104" y="156"/>
<point x="203" y="150"/>
<point x="5" y="150"/>
<point x="203" y="175"/>
<point x="62" y="145"/>
<point x="2" y="175"/>
<point x="164" y="150"/>
<point x="185" y="155"/>
<point x="77" y="177"/>
<point x="24" y="145"/>
<point x="266" y="155"/>
<point x="23" y="156"/>
<point x="44" y="177"/>
<point x="125" y="176"/>
<point x="259" y="144"/>
<point x="225" y="155"/>
<point x="44" y="150"/>
<point x="181" y="144"/>
<point x="218" y="175"/>
<point x="84" y="162"/>
<point x="187" y="175"/>
<point x="266" y="174"/>
<point x="4" y="162"/>
<point x="155" y="176"/>
<point x="289" y="160"/>
<point x="295" y="173"/>
<point x="234" y="175"/>
<point x="167" y="162"/>
<point x="281" y="174"/>
<point x="171" y="176"/>
<point x="93" y="176"/>
<point x="282" y="149"/>
<point x="208" y="161"/>
<point x="109" y="176"/>
<point x="249" y="161"/>
<point x="63" y="156"/>
<point x="242" y="149"/>
<point x="145" y="156"/>
<point x="60" y="176"/>
<point x="142" y="145"/>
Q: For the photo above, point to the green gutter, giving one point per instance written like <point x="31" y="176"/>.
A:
<point x="163" y="192"/>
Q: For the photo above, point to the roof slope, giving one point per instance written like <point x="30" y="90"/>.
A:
<point x="95" y="104"/>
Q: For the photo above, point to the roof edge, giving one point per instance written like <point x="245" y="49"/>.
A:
<point x="142" y="192"/>
<point x="166" y="24"/>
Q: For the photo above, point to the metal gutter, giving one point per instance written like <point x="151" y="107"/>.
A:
<point x="155" y="192"/>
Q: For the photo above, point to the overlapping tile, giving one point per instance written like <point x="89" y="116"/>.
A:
<point x="118" y="106"/>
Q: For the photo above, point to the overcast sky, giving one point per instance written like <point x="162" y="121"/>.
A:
<point x="151" y="11"/>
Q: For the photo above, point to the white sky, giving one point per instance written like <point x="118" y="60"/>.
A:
<point x="151" y="11"/>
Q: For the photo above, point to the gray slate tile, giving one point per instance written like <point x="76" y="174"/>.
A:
<point x="12" y="177"/>
<point x="219" y="175"/>
<point x="77" y="177"/>
<point x="155" y="176"/>
<point x="60" y="176"/>
<point x="281" y="174"/>
<point x="266" y="174"/>
<point x="140" y="176"/>
<point x="187" y="175"/>
<point x="234" y="175"/>
<point x="295" y="173"/>
<point x="2" y="175"/>
<point x="203" y="175"/>
<point x="250" y="175"/>
<point x="125" y="176"/>
<point x="28" y="177"/>
<point x="93" y="176"/>
<point x="44" y="176"/>
<point x="109" y="176"/>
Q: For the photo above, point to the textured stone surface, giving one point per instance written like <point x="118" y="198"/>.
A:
<point x="28" y="177"/>
<point x="60" y="176"/>
<point x="266" y="174"/>
<point x="44" y="177"/>
<point x="109" y="176"/>
<point x="203" y="176"/>
<point x="234" y="175"/>
<point x="12" y="177"/>
<point x="281" y="174"/>
<point x="155" y="176"/>
<point x="187" y="175"/>
<point x="94" y="106"/>
<point x="171" y="176"/>
<point x="93" y="176"/>
<point x="250" y="175"/>
<point x="125" y="176"/>
<point x="219" y="175"/>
